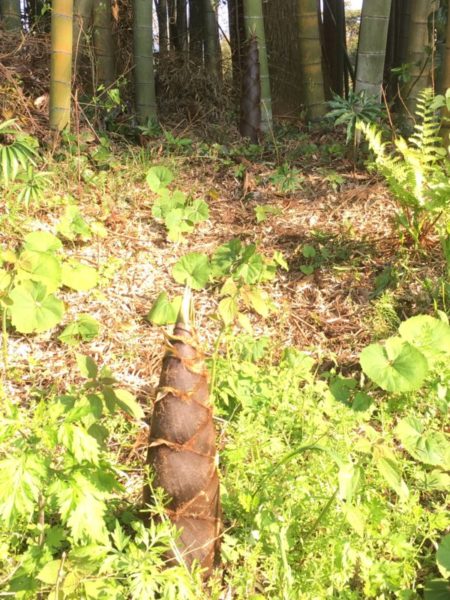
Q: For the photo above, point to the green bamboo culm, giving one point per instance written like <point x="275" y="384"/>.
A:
<point x="311" y="59"/>
<point x="144" y="79"/>
<point x="212" y="45"/>
<point x="419" y="39"/>
<point x="372" y="46"/>
<point x="103" y="43"/>
<point x="11" y="16"/>
<point x="254" y="28"/>
<point x="61" y="63"/>
<point x="82" y="21"/>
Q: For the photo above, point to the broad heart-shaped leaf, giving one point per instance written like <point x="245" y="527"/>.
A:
<point x="33" y="310"/>
<point x="40" y="267"/>
<point x="429" y="335"/>
<point x="431" y="447"/>
<point x="228" y="310"/>
<point x="158" y="177"/>
<point x="193" y="270"/>
<point x="84" y="329"/>
<point x="443" y="556"/>
<point x="41" y="241"/>
<point x="395" y="367"/>
<point x="164" y="311"/>
<point x="79" y="277"/>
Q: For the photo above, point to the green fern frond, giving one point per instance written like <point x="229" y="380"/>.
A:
<point x="416" y="170"/>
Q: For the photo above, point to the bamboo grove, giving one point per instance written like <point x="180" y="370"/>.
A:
<point x="275" y="59"/>
<point x="287" y="58"/>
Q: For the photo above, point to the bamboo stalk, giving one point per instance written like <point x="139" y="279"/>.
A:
<point x="61" y="64"/>
<point x="254" y="28"/>
<point x="144" y="79"/>
<point x="372" y="46"/>
<point x="311" y="58"/>
<point x="103" y="43"/>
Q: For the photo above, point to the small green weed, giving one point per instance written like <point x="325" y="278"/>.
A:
<point x="179" y="212"/>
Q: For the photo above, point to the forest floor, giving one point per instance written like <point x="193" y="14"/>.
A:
<point x="331" y="308"/>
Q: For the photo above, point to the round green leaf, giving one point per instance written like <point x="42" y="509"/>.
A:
<point x="429" y="335"/>
<point x="158" y="177"/>
<point x="40" y="267"/>
<point x="41" y="241"/>
<point x="443" y="556"/>
<point x="79" y="277"/>
<point x="33" y="310"/>
<point x="193" y="270"/>
<point x="395" y="367"/>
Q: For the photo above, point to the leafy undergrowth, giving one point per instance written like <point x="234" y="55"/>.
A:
<point x="324" y="493"/>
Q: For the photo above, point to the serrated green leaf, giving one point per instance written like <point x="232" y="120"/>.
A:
<point x="79" y="277"/>
<point x="228" y="310"/>
<point x="49" y="573"/>
<point x="73" y="225"/>
<point x="33" y="310"/>
<point x="128" y="403"/>
<point x="77" y="440"/>
<point x="84" y="329"/>
<point x="21" y="481"/>
<point x="193" y="270"/>
<point x="396" y="367"/>
<point x="257" y="300"/>
<point x="87" y="366"/>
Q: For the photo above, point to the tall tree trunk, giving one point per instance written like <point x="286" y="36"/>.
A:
<point x="419" y="39"/>
<point x="372" y="46"/>
<point x="61" y="63"/>
<point x="212" y="46"/>
<point x="334" y="43"/>
<point x="173" y="34"/>
<point x="311" y="58"/>
<point x="196" y="31"/>
<point x="103" y="43"/>
<point x="237" y="38"/>
<point x="144" y="79"/>
<point x="11" y="15"/>
<point x="254" y="27"/>
<point x="182" y="35"/>
<point x="163" y="35"/>
<point x="284" y="57"/>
